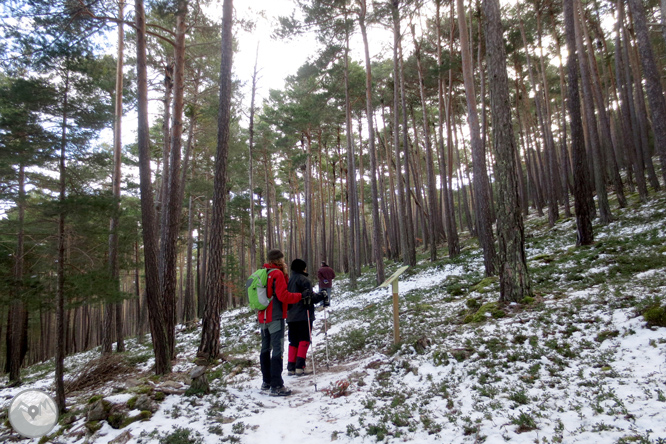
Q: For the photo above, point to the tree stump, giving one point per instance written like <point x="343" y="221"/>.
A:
<point x="199" y="383"/>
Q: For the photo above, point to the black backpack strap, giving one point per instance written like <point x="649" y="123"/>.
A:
<point x="270" y="270"/>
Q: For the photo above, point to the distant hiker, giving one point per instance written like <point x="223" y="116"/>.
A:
<point x="271" y="322"/>
<point x="300" y="318"/>
<point x="326" y="276"/>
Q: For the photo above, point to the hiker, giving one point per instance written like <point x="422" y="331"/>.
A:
<point x="300" y="317"/>
<point x="271" y="322"/>
<point x="326" y="276"/>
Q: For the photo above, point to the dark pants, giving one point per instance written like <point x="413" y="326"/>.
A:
<point x="298" y="332"/>
<point x="299" y="342"/>
<point x="271" y="364"/>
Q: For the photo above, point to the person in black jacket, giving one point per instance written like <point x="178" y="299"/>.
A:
<point x="297" y="317"/>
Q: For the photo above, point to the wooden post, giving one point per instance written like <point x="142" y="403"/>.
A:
<point x="393" y="281"/>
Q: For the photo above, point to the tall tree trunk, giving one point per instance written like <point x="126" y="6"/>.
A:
<point x="114" y="268"/>
<point x="481" y="182"/>
<point x="629" y="121"/>
<point x="402" y="211"/>
<point x="581" y="189"/>
<point x="410" y="230"/>
<point x="653" y="84"/>
<point x="514" y="278"/>
<point x="565" y="169"/>
<point x="446" y="171"/>
<point x="605" y="215"/>
<point x="253" y="236"/>
<point x="188" y="302"/>
<point x="60" y="287"/>
<point x="215" y="303"/>
<point x="608" y="147"/>
<point x="352" y="195"/>
<point x="17" y="315"/>
<point x="377" y="244"/>
<point x="172" y="205"/>
<point x="307" y="173"/>
<point x="544" y="126"/>
<point x="156" y="312"/>
<point x="433" y="202"/>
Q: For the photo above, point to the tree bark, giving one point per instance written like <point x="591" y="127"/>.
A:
<point x="653" y="84"/>
<point x="215" y="303"/>
<point x="433" y="202"/>
<point x="156" y="311"/>
<point x="514" y="278"/>
<point x="605" y="215"/>
<point x="581" y="189"/>
<point x="481" y="182"/>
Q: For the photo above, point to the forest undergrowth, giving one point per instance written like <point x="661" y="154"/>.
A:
<point x="582" y="360"/>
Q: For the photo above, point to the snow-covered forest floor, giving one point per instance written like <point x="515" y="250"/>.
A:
<point x="575" y="363"/>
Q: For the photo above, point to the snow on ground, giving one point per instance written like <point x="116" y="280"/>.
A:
<point x="578" y="365"/>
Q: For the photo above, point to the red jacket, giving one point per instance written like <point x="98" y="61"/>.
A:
<point x="277" y="309"/>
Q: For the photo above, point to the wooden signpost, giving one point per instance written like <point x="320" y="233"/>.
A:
<point x="394" y="280"/>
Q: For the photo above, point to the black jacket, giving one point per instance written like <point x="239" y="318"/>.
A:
<point x="298" y="283"/>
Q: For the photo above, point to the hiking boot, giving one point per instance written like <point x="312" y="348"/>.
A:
<point x="280" y="391"/>
<point x="265" y="386"/>
<point x="303" y="372"/>
<point x="291" y="372"/>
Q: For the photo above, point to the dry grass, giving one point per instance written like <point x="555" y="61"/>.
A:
<point x="97" y="372"/>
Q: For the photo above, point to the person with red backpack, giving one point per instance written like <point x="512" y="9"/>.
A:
<point x="300" y="318"/>
<point x="272" y="324"/>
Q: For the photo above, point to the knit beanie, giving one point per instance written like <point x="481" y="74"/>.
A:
<point x="274" y="255"/>
<point x="298" y="265"/>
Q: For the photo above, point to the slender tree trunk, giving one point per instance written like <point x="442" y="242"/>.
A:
<point x="433" y="202"/>
<point x="608" y="147"/>
<point x="549" y="144"/>
<point x="605" y="215"/>
<point x="653" y="84"/>
<point x="481" y="182"/>
<point x="410" y="231"/>
<point x="60" y="288"/>
<point x="445" y="170"/>
<point x="253" y="236"/>
<point x="377" y="244"/>
<point x="156" y="310"/>
<point x="114" y="268"/>
<point x="352" y="195"/>
<point x="215" y="303"/>
<point x="581" y="189"/>
<point x="17" y="315"/>
<point x="514" y="278"/>
<point x="172" y="205"/>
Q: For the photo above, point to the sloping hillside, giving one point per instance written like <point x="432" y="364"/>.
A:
<point x="576" y="363"/>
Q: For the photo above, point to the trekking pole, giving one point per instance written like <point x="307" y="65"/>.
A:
<point x="326" y="336"/>
<point x="314" y="366"/>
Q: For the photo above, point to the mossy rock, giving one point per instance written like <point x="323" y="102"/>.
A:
<point x="484" y="285"/>
<point x="116" y="420"/>
<point x="95" y="398"/>
<point x="145" y="415"/>
<point x="159" y="396"/>
<point x="606" y="334"/>
<point x="655" y="316"/>
<point x="489" y="310"/>
<point x="132" y="402"/>
<point x="93" y="426"/>
<point x="472" y="304"/>
<point x="527" y="300"/>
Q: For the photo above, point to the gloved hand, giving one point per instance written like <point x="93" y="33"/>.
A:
<point x="306" y="297"/>
<point x="327" y="301"/>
